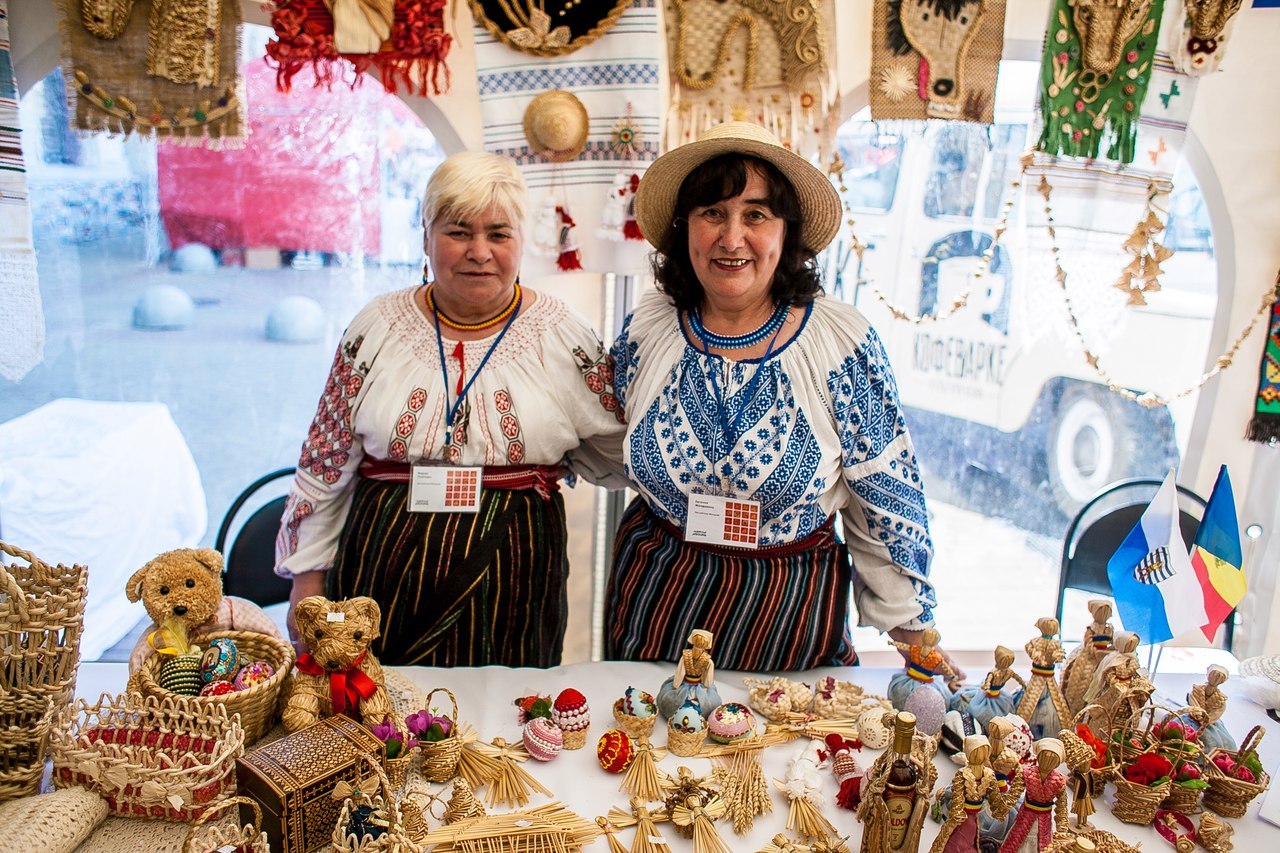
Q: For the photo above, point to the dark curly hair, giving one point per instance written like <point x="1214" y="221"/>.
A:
<point x="796" y="279"/>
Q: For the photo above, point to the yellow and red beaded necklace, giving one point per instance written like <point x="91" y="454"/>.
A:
<point x="495" y="320"/>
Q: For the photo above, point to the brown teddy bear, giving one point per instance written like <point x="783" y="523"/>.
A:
<point x="186" y="585"/>
<point x="339" y="675"/>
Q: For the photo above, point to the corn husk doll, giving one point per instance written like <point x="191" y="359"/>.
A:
<point x="989" y="699"/>
<point x="973" y="787"/>
<point x="917" y="689"/>
<point x="1120" y="686"/>
<point x="694" y="678"/>
<point x="1210" y="698"/>
<point x="1041" y="702"/>
<point x="1077" y="672"/>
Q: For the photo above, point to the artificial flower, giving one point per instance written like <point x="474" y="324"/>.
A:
<point x="533" y="706"/>
<point x="1187" y="775"/>
<point x="429" y="727"/>
<point x="1149" y="769"/>
<point x="397" y="742"/>
<point x="1086" y="734"/>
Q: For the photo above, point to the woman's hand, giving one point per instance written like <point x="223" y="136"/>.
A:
<point x="304" y="585"/>
<point x="915" y="638"/>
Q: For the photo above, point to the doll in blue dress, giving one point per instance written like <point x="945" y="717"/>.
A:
<point x="694" y="679"/>
<point x="917" y="688"/>
<point x="987" y="700"/>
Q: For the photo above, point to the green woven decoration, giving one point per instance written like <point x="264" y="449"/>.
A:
<point x="181" y="674"/>
<point x="1094" y="75"/>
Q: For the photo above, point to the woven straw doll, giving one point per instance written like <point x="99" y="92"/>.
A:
<point x="1044" y="811"/>
<point x="1119" y="686"/>
<point x="1213" y="701"/>
<point x="916" y="689"/>
<point x="988" y="700"/>
<point x="1077" y="672"/>
<point x="1041" y="703"/>
<point x="973" y="787"/>
<point x="694" y="678"/>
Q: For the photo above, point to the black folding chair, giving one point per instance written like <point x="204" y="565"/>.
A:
<point x="250" y="562"/>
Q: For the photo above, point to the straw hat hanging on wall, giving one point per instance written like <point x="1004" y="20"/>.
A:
<point x="555" y="123"/>
<point x="547" y="27"/>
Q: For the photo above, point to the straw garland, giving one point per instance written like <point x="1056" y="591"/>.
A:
<point x="513" y="783"/>
<point x="702" y="820"/>
<point x="777" y="696"/>
<point x="647" y="839"/>
<point x="539" y="830"/>
<point x="642" y="779"/>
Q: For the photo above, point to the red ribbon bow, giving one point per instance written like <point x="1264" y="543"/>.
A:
<point x="346" y="688"/>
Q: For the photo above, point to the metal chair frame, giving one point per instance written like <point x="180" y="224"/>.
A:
<point x="252" y="583"/>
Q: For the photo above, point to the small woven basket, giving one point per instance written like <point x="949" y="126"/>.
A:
<point x="1226" y="795"/>
<point x="574" y="738"/>
<point x="203" y="837"/>
<point x="393" y="840"/>
<point x="440" y="757"/>
<point x="169" y="758"/>
<point x="633" y="726"/>
<point x="25" y="719"/>
<point x="41" y="619"/>
<point x="1137" y="803"/>
<point x="398" y="768"/>
<point x="1183" y="800"/>
<point x="256" y="705"/>
<point x="685" y="744"/>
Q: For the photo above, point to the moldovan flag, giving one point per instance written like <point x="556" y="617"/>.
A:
<point x="1216" y="555"/>
<point x="1156" y="590"/>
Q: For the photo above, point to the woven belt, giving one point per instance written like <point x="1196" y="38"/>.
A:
<point x="543" y="479"/>
<point x="1037" y="806"/>
<point x="919" y="673"/>
<point x="1043" y="671"/>
<point x="824" y="536"/>
<point x="994" y="690"/>
<point x="970" y="806"/>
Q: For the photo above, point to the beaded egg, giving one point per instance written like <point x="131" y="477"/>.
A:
<point x="572" y="714"/>
<point x="731" y="721"/>
<point x="615" y="751"/>
<point x="638" y="703"/>
<point x="217" y="688"/>
<point x="181" y="674"/>
<point x="252" y="674"/>
<point x="688" y="719"/>
<point x="543" y="738"/>
<point x="221" y="660"/>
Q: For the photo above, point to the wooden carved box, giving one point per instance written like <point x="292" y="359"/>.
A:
<point x="292" y="780"/>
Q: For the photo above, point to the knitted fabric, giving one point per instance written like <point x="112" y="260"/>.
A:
<point x="55" y="823"/>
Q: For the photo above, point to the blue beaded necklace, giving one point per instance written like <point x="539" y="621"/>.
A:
<point x="750" y="339"/>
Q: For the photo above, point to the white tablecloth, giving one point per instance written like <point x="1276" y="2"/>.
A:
<point x="485" y="698"/>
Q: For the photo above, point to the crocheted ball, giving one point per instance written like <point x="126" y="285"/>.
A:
<point x="638" y="703"/>
<point x="731" y="721"/>
<point x="252" y="674"/>
<point x="615" y="751"/>
<point x="181" y="675"/>
<point x="929" y="707"/>
<point x="688" y="718"/>
<point x="872" y="731"/>
<point x="217" y="688"/>
<point x="543" y="738"/>
<point x="570" y="711"/>
<point x="221" y="660"/>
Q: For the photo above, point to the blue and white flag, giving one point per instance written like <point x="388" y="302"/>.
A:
<point x="1156" y="589"/>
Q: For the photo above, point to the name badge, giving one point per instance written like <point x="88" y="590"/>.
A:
<point x="716" y="520"/>
<point x="444" y="488"/>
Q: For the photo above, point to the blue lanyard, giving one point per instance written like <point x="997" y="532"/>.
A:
<point x="451" y="412"/>
<point x="727" y="424"/>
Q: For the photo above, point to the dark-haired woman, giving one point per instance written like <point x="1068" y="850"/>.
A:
<point x="756" y="410"/>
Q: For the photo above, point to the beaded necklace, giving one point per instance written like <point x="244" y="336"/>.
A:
<point x="750" y="339"/>
<point x="474" y="327"/>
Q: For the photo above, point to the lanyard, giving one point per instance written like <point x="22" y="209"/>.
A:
<point x="727" y="424"/>
<point x="451" y="412"/>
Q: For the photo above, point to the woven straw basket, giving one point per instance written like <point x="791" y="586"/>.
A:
<point x="204" y="838"/>
<point x="394" y="840"/>
<point x="257" y="705"/>
<point x="1228" y="796"/>
<point x="1138" y="803"/>
<point x="398" y="768"/>
<point x="685" y="744"/>
<point x="25" y="719"/>
<point x="41" y="620"/>
<point x="440" y="757"/>
<point x="633" y="726"/>
<point x="172" y="758"/>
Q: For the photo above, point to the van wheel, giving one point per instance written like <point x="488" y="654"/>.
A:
<point x="1090" y="444"/>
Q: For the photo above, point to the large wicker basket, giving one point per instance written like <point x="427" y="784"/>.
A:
<point x="169" y="758"/>
<point x="257" y="705"/>
<point x="1226" y="795"/>
<point x="41" y="619"/>
<point x="204" y="837"/>
<point x="25" y="719"/>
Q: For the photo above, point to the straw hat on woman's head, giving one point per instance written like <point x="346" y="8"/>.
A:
<point x="556" y="125"/>
<point x="656" y="197"/>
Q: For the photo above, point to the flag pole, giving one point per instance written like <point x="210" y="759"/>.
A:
<point x="1153" y="668"/>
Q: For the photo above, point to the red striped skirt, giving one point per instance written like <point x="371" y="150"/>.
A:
<point x="770" y="610"/>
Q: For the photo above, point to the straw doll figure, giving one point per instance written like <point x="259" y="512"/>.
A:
<point x="916" y="689"/>
<point x="1077" y="672"/>
<point x="988" y="700"/>
<point x="1120" y="687"/>
<point x="1044" y="811"/>
<point x="973" y="787"/>
<point x="694" y="678"/>
<point x="1041" y="703"/>
<point x="1210" y="698"/>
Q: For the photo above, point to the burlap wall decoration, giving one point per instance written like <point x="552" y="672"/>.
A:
<point x="766" y="61"/>
<point x="407" y="50"/>
<point x="170" y="70"/>
<point x="935" y="58"/>
<point x="1203" y="28"/>
<point x="1094" y="75"/>
<point x="547" y="27"/>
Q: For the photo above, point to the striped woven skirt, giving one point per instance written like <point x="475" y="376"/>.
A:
<point x="768" y="612"/>
<point x="459" y="589"/>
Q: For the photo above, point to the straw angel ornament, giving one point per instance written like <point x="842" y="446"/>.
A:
<point x="782" y="844"/>
<point x="1077" y="672"/>
<point x="702" y="820"/>
<point x="610" y="832"/>
<point x="648" y="839"/>
<point x="643" y="779"/>
<point x="1041" y="703"/>
<point x="680" y="788"/>
<point x="512" y="784"/>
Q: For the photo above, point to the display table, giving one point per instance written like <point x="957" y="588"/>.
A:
<point x="485" y="701"/>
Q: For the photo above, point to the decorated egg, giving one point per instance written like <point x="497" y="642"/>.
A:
<point x="731" y="721"/>
<point x="252" y="674"/>
<point x="1020" y="739"/>
<point x="871" y="728"/>
<point x="615" y="751"/>
<point x="221" y="660"/>
<point x="217" y="688"/>
<point x="688" y="718"/>
<point x="638" y="703"/>
<point x="570" y="711"/>
<point x="181" y="674"/>
<point x="543" y="738"/>
<point x="929" y="707"/>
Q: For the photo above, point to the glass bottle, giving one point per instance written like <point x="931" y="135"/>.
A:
<point x="900" y="785"/>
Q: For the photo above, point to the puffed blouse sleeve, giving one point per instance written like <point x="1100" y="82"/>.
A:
<point x="885" y="521"/>
<point x="322" y="488"/>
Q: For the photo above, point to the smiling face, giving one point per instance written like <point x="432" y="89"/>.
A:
<point x="474" y="261"/>
<point x="735" y="244"/>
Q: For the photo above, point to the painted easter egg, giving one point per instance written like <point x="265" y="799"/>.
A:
<point x="221" y="660"/>
<point x="217" y="688"/>
<point x="252" y="674"/>
<point x="615" y="751"/>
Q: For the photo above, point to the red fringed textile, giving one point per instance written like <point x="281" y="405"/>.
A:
<point x="569" y="259"/>
<point x="413" y="57"/>
<point x="846" y="770"/>
<point x="631" y="231"/>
